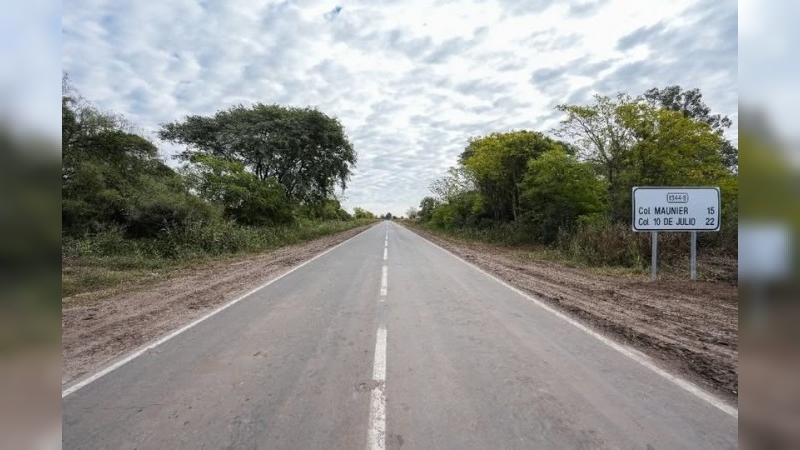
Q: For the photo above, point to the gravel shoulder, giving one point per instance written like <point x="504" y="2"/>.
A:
<point x="98" y="331"/>
<point x="689" y="327"/>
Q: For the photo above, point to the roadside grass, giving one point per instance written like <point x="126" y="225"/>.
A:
<point x="107" y="263"/>
<point x="96" y="274"/>
<point x="556" y="256"/>
<point x="712" y="268"/>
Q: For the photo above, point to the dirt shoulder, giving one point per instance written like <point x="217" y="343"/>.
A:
<point x="690" y="327"/>
<point x="97" y="331"/>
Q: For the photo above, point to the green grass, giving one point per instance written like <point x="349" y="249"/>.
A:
<point x="109" y="261"/>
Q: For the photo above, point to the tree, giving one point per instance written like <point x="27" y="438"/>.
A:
<point x="632" y="142"/>
<point x="328" y="209"/>
<point x="360" y="213"/>
<point x="457" y="181"/>
<point x="444" y="216"/>
<point x="302" y="149"/>
<point x="556" y="191"/>
<point x="426" y="207"/>
<point x="670" y="149"/>
<point x="412" y="213"/>
<point x="498" y="162"/>
<point x="466" y="209"/>
<point x="111" y="177"/>
<point x="690" y="103"/>
<point x="603" y="139"/>
<point x="245" y="198"/>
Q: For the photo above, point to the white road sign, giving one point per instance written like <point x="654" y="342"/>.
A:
<point x="676" y="209"/>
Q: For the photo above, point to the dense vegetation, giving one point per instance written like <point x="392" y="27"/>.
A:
<point x="252" y="178"/>
<point x="571" y="190"/>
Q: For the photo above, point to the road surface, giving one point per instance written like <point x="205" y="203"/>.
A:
<point x="389" y="341"/>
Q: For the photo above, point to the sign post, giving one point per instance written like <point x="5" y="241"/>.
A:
<point x="693" y="256"/>
<point x="689" y="209"/>
<point x="654" y="255"/>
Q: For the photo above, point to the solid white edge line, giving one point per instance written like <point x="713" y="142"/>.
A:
<point x="376" y="433"/>
<point x="97" y="375"/>
<point x="384" y="281"/>
<point x="625" y="350"/>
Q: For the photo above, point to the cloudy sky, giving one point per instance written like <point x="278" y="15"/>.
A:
<point x="410" y="82"/>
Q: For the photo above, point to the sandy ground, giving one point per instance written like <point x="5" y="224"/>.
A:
<point x="96" y="333"/>
<point x="691" y="327"/>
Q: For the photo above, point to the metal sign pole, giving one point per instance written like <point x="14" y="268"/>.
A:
<point x="654" y="255"/>
<point x="693" y="257"/>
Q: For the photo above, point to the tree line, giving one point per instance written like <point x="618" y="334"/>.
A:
<point x="262" y="165"/>
<point x="573" y="185"/>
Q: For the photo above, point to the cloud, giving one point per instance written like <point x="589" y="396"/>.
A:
<point x="547" y="77"/>
<point x="551" y="40"/>
<point x="640" y="36"/>
<point x="411" y="82"/>
<point x="702" y="51"/>
<point x="585" y="8"/>
<point x="330" y="15"/>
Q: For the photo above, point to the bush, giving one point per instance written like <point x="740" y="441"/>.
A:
<point x="444" y="217"/>
<point x="598" y="242"/>
<point x="196" y="239"/>
<point x="160" y="206"/>
<point x="557" y="190"/>
<point x="489" y="231"/>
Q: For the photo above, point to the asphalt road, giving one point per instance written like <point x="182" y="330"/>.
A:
<point x="388" y="340"/>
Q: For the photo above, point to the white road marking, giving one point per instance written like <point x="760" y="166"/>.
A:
<point x="384" y="281"/>
<point x="385" y="253"/>
<point x="625" y="350"/>
<point x="379" y="370"/>
<point x="75" y="387"/>
<point x="376" y="434"/>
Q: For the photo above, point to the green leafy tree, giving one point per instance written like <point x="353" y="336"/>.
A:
<point x="498" y="163"/>
<point x="444" y="216"/>
<point x="670" y="149"/>
<point x="302" y="149"/>
<point x="426" y="207"/>
<point x="467" y="209"/>
<point x="111" y="177"/>
<point x="118" y="180"/>
<point x="245" y="198"/>
<point x="632" y="142"/>
<point x="690" y="103"/>
<point x="604" y="141"/>
<point x="360" y="213"/>
<point x="556" y="191"/>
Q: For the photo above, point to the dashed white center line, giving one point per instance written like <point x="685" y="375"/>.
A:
<point x="376" y="435"/>
<point x="384" y="281"/>
<point x="379" y="370"/>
